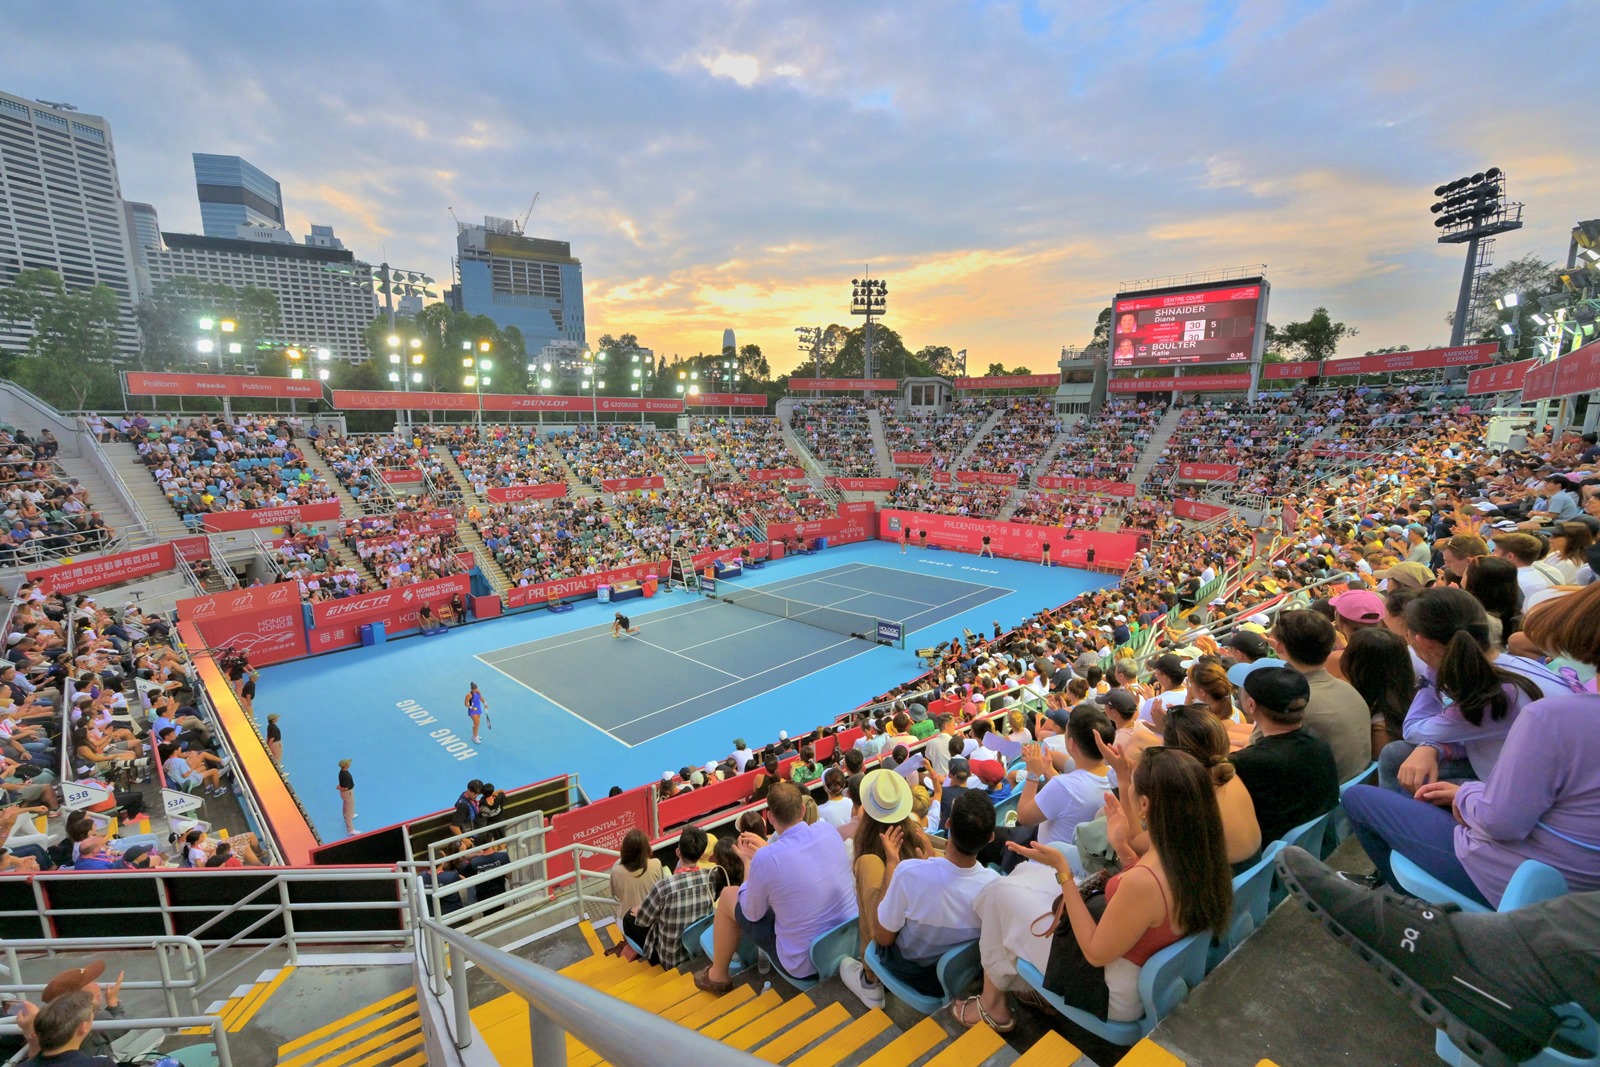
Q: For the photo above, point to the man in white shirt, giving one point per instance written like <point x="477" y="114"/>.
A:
<point x="1526" y="551"/>
<point x="741" y="754"/>
<point x="1173" y="684"/>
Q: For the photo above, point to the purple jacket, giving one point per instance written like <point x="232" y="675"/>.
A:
<point x="1548" y="773"/>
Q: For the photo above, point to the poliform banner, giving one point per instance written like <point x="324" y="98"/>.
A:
<point x="142" y="383"/>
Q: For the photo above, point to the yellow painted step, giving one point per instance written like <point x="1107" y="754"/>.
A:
<point x="399" y="1017"/>
<point x="1149" y="1054"/>
<point x="803" y="1033"/>
<point x="715" y="1008"/>
<point x="1051" y="1050"/>
<point x="909" y="1047"/>
<point x="340" y="1023"/>
<point x="402" y="1033"/>
<point x="251" y="1004"/>
<point x="837" y="1047"/>
<point x="974" y="1046"/>
<point x="718" y="1027"/>
<point x="386" y="1053"/>
<point x="586" y="928"/>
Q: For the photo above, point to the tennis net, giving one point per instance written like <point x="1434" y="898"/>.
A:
<point x="835" y="620"/>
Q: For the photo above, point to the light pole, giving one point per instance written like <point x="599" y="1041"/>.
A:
<point x="811" y="341"/>
<point x="405" y="363"/>
<point x="540" y="384"/>
<point x="869" y="297"/>
<point x="478" y="369"/>
<point x="724" y="374"/>
<point x="592" y="369"/>
<point x="213" y="344"/>
<point x="643" y="378"/>
<point x="1473" y="210"/>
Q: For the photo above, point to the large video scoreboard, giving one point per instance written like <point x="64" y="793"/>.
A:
<point x="1183" y="327"/>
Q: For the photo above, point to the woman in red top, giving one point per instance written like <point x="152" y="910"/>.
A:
<point x="1181" y="885"/>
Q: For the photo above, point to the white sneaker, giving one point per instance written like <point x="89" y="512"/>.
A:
<point x="868" y="991"/>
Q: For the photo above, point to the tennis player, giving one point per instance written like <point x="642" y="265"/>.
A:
<point x="621" y="625"/>
<point x="475" y="705"/>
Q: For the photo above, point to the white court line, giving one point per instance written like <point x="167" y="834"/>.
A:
<point x="874" y="592"/>
<point x="730" y="685"/>
<point x="689" y="609"/>
<point x="691" y="659"/>
<point x="557" y="703"/>
<point x="736" y="633"/>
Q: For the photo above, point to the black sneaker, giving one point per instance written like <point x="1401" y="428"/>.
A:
<point x="1411" y="944"/>
<point x="1365" y="881"/>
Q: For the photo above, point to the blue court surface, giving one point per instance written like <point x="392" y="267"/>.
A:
<point x="564" y="696"/>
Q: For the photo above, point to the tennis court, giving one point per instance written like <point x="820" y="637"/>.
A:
<point x="694" y="660"/>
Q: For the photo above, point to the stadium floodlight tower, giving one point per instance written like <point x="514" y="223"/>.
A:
<point x="869" y="297"/>
<point x="1472" y="209"/>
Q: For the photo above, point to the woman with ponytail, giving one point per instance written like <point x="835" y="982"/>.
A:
<point x="1196" y="730"/>
<point x="1209" y="686"/>
<point x="1470" y="695"/>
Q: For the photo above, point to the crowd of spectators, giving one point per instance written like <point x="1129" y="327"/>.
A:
<point x="944" y="435"/>
<point x="212" y="464"/>
<point x="1108" y="443"/>
<point x="838" y="432"/>
<point x="541" y="541"/>
<point x="406" y="546"/>
<point x="501" y="455"/>
<point x="308" y="558"/>
<point x="741" y="442"/>
<point x="359" y="460"/>
<point x="1018" y="438"/>
<point x="616" y="450"/>
<point x="922" y="493"/>
<point x="46" y="513"/>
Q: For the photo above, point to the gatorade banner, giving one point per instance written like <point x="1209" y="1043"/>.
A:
<point x="1087" y="485"/>
<point x="581" y="585"/>
<point x="265" y="621"/>
<point x="105" y="570"/>
<point x="256" y="518"/>
<point x="629" y="485"/>
<point x="502" y="494"/>
<point x="1014" y="540"/>
<point x="776" y="474"/>
<point x="335" y="623"/>
<point x="1207" y="472"/>
<point x="853" y="522"/>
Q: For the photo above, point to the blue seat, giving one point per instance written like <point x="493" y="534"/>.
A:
<point x="1311" y="836"/>
<point x="1341" y="822"/>
<point x="1164" y="982"/>
<point x="1581" y="1031"/>
<point x="1252" y="893"/>
<point x="827" y="950"/>
<point x="692" y="934"/>
<point x="1530" y="883"/>
<point x="956" y="968"/>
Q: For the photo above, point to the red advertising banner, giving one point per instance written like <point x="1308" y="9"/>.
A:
<point x="603" y="824"/>
<point x="1014" y="540"/>
<point x="334" y="623"/>
<point x="863" y="485"/>
<point x="1277" y="371"/>
<point x="1505" y="378"/>
<point x="697" y="459"/>
<point x="1579" y="371"/>
<point x="913" y="459"/>
<point x="105" y="570"/>
<point x="258" y="517"/>
<point x="758" y="550"/>
<point x="1539" y="383"/>
<point x="141" y="383"/>
<point x="521" y="596"/>
<point x="776" y="474"/>
<point x="728" y="400"/>
<point x="986" y="477"/>
<point x="853" y="522"/>
<point x="1011" y="381"/>
<point x="843" y="385"/>
<point x="1193" y="509"/>
<point x="388" y="400"/>
<point x="1087" y="485"/>
<point x="1191" y="383"/>
<point x="628" y="485"/>
<point x="1422" y="359"/>
<point x="265" y="621"/>
<point x="1207" y="472"/>
<point x="502" y="494"/>
<point x="399" y="475"/>
<point x="192" y="549"/>
<point x="1290" y="517"/>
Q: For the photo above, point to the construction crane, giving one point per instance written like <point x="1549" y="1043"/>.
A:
<point x="455" y="220"/>
<point x="522" y="223"/>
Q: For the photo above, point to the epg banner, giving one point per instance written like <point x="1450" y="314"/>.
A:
<point x="265" y="622"/>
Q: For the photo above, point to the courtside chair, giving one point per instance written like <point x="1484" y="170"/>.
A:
<point x="1341" y="822"/>
<point x="1530" y="883"/>
<point x="1252" y="892"/>
<point x="957" y="968"/>
<point x="828" y="949"/>
<point x="1164" y="982"/>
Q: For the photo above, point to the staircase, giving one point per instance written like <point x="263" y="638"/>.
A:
<point x="880" y="444"/>
<point x="124" y="460"/>
<point x="1056" y="442"/>
<point x="983" y="431"/>
<point x="387" y="1033"/>
<point x="473" y="540"/>
<point x="1158" y="440"/>
<point x="102" y="497"/>
<point x="348" y="507"/>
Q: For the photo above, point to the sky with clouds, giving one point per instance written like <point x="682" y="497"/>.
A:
<point x="1005" y="166"/>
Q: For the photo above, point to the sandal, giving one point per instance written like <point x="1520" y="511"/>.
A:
<point x="703" y="982"/>
<point x="1031" y="998"/>
<point x="958" y="1011"/>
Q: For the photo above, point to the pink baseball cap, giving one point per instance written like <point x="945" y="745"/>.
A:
<point x="1359" y="605"/>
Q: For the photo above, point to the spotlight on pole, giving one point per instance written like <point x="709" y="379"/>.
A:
<point x="1470" y="210"/>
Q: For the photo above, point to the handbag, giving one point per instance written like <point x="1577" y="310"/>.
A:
<point x="1067" y="974"/>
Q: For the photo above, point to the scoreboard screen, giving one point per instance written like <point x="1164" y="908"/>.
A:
<point x="1194" y="327"/>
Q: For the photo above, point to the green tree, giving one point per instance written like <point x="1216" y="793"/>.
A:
<point x="70" y="358"/>
<point x="938" y="359"/>
<point x="1529" y="277"/>
<point x="753" y="365"/>
<point x="997" y="370"/>
<point x="1101" y="337"/>
<point x="890" y="357"/>
<point x="1317" y="338"/>
<point x="169" y="322"/>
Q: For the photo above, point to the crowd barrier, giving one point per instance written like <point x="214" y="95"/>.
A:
<point x="1012" y="540"/>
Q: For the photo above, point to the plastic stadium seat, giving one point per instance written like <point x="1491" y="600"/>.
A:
<point x="1341" y="822"/>
<point x="1164" y="982"/>
<point x="692" y="934"/>
<point x="1311" y="836"/>
<point x="957" y="969"/>
<point x="1581" y="1031"/>
<point x="1530" y="883"/>
<point x="827" y="950"/>
<point x="1252" y="892"/>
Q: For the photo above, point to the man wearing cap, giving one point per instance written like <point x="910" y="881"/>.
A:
<point x="1289" y="771"/>
<point x="741" y="754"/>
<point x="1417" y="548"/>
<point x="1413" y="576"/>
<point x="797" y="886"/>
<point x="1336" y="712"/>
<point x="1173" y="682"/>
<point x="1244" y="646"/>
<point x="107" y="997"/>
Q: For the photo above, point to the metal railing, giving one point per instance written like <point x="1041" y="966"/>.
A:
<point x="213" y="1024"/>
<point x="187" y="978"/>
<point x="96" y="455"/>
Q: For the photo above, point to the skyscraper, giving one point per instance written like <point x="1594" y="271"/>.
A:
<point x="533" y="284"/>
<point x="728" y="341"/>
<point x="233" y="193"/>
<point x="61" y="206"/>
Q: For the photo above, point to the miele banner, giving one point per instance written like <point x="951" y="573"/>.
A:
<point x="1099" y="486"/>
<point x="258" y="517"/>
<point x="389" y="400"/>
<point x="265" y="621"/>
<point x="142" y="383"/>
<point x="334" y="623"/>
<point x="1207" y="472"/>
<point x="502" y="494"/>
